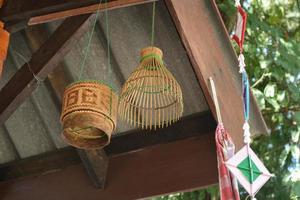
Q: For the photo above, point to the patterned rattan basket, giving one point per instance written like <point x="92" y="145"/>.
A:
<point x="151" y="97"/>
<point x="88" y="114"/>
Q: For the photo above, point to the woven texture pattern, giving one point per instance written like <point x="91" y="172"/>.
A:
<point x="88" y="114"/>
<point x="151" y="97"/>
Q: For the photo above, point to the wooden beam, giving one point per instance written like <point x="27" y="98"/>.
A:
<point x="25" y="9"/>
<point x="208" y="46"/>
<point x="41" y="164"/>
<point x="85" y="10"/>
<point x="33" y="12"/>
<point x="189" y="126"/>
<point x="42" y="62"/>
<point x="160" y="169"/>
<point x="96" y="162"/>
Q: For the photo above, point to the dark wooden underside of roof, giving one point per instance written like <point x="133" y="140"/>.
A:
<point x="165" y="167"/>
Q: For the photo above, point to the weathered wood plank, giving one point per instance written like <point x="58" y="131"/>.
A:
<point x="189" y="126"/>
<point x="96" y="162"/>
<point x="32" y="12"/>
<point x="42" y="62"/>
<point x="41" y="164"/>
<point x="211" y="54"/>
<point x="25" y="9"/>
<point x="166" y="168"/>
<point x="85" y="10"/>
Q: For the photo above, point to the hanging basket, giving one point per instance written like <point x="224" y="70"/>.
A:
<point x="4" y="40"/>
<point x="151" y="97"/>
<point x="88" y="114"/>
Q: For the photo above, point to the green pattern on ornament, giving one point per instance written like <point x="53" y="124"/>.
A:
<point x="249" y="169"/>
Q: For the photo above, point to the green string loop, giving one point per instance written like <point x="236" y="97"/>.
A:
<point x="153" y="24"/>
<point x="89" y="42"/>
<point x="109" y="57"/>
<point x="108" y="46"/>
<point x="152" y="55"/>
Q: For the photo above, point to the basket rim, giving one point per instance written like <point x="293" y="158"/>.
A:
<point x="85" y="146"/>
<point x="154" y="49"/>
<point x="62" y="118"/>
<point x="93" y="81"/>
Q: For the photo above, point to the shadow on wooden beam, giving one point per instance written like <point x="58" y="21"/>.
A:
<point x="189" y="126"/>
<point x="41" y="164"/>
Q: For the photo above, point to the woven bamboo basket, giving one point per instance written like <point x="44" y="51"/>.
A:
<point x="4" y="40"/>
<point x="151" y="97"/>
<point x="88" y="114"/>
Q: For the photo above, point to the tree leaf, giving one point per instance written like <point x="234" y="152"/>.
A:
<point x="259" y="98"/>
<point x="297" y="116"/>
<point x="269" y="90"/>
<point x="274" y="103"/>
<point x="295" y="151"/>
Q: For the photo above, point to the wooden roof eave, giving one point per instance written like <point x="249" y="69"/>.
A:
<point x="208" y="46"/>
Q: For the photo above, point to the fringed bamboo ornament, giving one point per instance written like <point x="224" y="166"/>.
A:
<point x="151" y="97"/>
<point x="4" y="41"/>
<point x="88" y="114"/>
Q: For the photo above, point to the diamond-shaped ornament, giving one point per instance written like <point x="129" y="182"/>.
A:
<point x="249" y="170"/>
<point x="240" y="27"/>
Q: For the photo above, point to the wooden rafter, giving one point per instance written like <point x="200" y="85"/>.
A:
<point x="1" y="3"/>
<point x="163" y="168"/>
<point x="30" y="12"/>
<point x="40" y="164"/>
<point x="189" y="127"/>
<point x="208" y="46"/>
<point x="42" y="62"/>
<point x="84" y="10"/>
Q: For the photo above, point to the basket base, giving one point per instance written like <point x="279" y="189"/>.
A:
<point x="87" y="130"/>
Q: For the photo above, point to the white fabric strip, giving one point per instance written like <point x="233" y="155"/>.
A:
<point x="214" y="93"/>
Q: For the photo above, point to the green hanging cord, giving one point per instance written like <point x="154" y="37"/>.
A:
<point x="108" y="46"/>
<point x="89" y="41"/>
<point x="108" y="57"/>
<point x="153" y="24"/>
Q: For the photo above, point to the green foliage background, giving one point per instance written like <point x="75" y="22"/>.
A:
<point x="272" y="55"/>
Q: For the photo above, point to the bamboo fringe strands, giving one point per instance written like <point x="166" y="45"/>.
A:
<point x="4" y="41"/>
<point x="89" y="114"/>
<point x="151" y="97"/>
